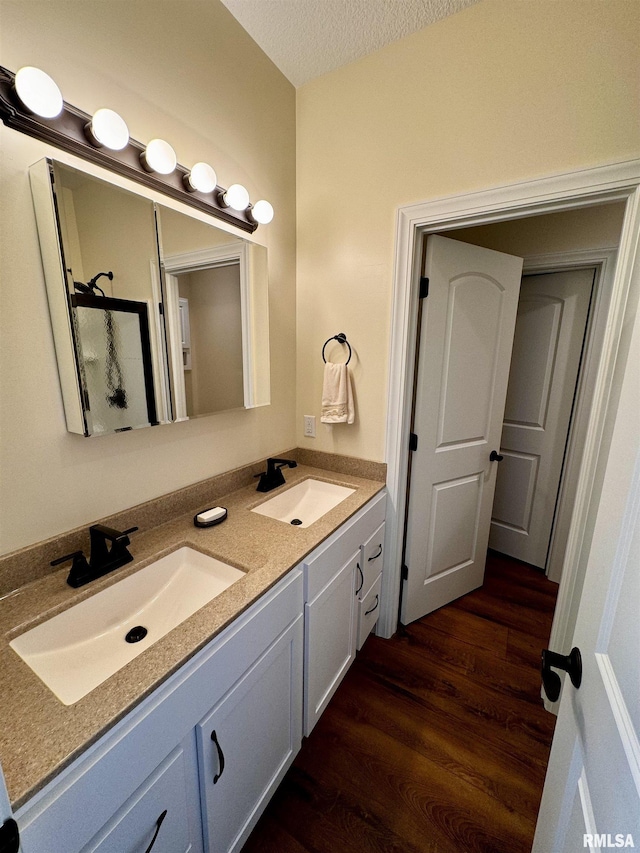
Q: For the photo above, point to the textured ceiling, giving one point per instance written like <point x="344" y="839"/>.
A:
<point x="307" y="38"/>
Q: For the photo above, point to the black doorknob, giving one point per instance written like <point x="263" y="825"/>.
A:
<point x="571" y="663"/>
<point x="494" y="456"/>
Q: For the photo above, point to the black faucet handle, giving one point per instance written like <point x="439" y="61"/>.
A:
<point x="123" y="538"/>
<point x="80" y="571"/>
<point x="276" y="464"/>
<point x="76" y="556"/>
<point x="101" y="534"/>
<point x="110" y="533"/>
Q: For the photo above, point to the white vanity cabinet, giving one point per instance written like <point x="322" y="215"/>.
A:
<point x="192" y="767"/>
<point x="334" y="577"/>
<point x="247" y="684"/>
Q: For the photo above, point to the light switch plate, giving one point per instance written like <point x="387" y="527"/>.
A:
<point x="310" y="426"/>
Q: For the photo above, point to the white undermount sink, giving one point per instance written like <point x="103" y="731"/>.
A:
<point x="304" y="503"/>
<point x="80" y="648"/>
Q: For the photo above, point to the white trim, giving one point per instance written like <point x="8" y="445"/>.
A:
<point x="587" y="808"/>
<point x="624" y="724"/>
<point x="158" y="350"/>
<point x="582" y="188"/>
<point x="174" y="337"/>
<point x="202" y="259"/>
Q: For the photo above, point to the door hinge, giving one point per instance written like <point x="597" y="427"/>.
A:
<point x="161" y="309"/>
<point x="9" y="837"/>
<point x="424" y="287"/>
<point x="413" y="441"/>
<point x="404" y="573"/>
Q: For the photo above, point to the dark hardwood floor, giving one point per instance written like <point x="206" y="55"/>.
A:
<point x="436" y="741"/>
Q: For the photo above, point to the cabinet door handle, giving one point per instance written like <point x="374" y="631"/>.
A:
<point x="155" y="834"/>
<point x="9" y="836"/>
<point x="367" y="612"/>
<point x="375" y="556"/>
<point x="217" y="776"/>
<point x="361" y="579"/>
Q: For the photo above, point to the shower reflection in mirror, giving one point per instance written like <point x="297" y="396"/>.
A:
<point x="115" y="361"/>
<point x="100" y="254"/>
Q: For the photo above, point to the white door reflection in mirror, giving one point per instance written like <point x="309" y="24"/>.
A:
<point x="217" y="317"/>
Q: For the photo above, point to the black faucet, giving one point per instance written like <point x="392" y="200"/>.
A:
<point x="273" y="476"/>
<point x="104" y="559"/>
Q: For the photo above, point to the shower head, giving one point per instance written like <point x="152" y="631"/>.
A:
<point x="91" y="286"/>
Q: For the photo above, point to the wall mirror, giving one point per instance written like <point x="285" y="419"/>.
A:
<point x="156" y="316"/>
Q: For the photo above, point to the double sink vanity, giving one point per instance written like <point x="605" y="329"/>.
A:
<point x="176" y="742"/>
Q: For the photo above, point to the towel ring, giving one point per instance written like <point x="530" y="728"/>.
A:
<point x="342" y="339"/>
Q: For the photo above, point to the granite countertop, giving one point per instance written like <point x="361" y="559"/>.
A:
<point x="39" y="735"/>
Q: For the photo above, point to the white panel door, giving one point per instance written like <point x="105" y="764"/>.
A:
<point x="466" y="336"/>
<point x="550" y="327"/>
<point x="591" y="798"/>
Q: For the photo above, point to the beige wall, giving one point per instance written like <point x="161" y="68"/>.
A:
<point x="504" y="91"/>
<point x="187" y="71"/>
<point x="568" y="231"/>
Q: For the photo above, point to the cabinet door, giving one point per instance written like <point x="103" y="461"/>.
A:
<point x="162" y="816"/>
<point x="372" y="557"/>
<point x="248" y="741"/>
<point x="330" y="639"/>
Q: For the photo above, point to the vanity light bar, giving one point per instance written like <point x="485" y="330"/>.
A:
<point x="71" y="130"/>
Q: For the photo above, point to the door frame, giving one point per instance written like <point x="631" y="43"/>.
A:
<point x="583" y="188"/>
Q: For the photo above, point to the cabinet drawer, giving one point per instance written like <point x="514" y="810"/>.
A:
<point x="372" y="557"/>
<point x="368" y="611"/>
<point x="157" y="812"/>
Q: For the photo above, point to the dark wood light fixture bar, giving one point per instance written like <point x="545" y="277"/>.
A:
<point x="67" y="132"/>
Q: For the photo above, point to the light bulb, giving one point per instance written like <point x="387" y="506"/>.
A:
<point x="201" y="177"/>
<point x="159" y="157"/>
<point x="38" y="92"/>
<point x="236" y="197"/>
<point x="109" y="129"/>
<point x="262" y="212"/>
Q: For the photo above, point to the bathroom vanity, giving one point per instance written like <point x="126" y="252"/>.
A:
<point x="190" y="762"/>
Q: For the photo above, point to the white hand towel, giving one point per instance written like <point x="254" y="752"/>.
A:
<point x="337" y="396"/>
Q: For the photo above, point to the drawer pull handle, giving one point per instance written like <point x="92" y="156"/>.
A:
<point x="155" y="834"/>
<point x="375" y="606"/>
<point x="217" y="776"/>
<point x="361" y="579"/>
<point x="375" y="556"/>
